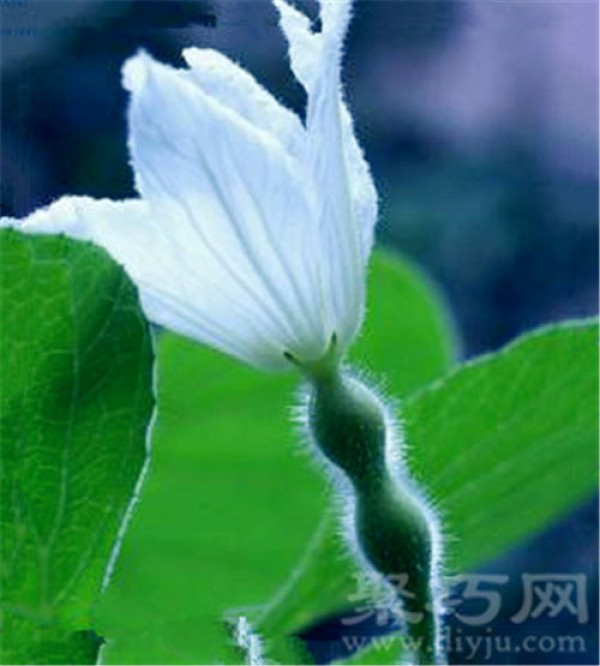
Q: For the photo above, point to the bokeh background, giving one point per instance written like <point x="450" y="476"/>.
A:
<point x="480" y="122"/>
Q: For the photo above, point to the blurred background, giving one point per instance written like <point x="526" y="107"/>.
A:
<point x="480" y="122"/>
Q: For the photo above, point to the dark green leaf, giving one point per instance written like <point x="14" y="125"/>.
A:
<point x="75" y="402"/>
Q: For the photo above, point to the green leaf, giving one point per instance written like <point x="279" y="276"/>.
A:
<point x="409" y="338"/>
<point x="75" y="402"/>
<point x="508" y="444"/>
<point x="233" y="499"/>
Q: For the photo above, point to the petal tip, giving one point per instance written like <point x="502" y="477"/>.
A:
<point x="135" y="71"/>
<point x="291" y="18"/>
<point x="205" y="59"/>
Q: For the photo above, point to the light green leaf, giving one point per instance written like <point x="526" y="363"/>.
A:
<point x="508" y="444"/>
<point x="75" y="402"/>
<point x="409" y="338"/>
<point x="233" y="499"/>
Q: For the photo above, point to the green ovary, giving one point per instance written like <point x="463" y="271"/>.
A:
<point x="394" y="528"/>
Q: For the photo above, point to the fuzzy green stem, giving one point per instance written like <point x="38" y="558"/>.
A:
<point x="393" y="526"/>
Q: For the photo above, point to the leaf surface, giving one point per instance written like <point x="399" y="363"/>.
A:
<point x="75" y="402"/>
<point x="507" y="444"/>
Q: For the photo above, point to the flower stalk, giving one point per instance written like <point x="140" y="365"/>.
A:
<point x="394" y="528"/>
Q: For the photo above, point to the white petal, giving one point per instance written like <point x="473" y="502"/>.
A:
<point x="234" y="87"/>
<point x="335" y="17"/>
<point x="362" y="188"/>
<point x="185" y="299"/>
<point x="349" y="205"/>
<point x="239" y="203"/>
<point x="338" y="231"/>
<point x="304" y="46"/>
<point x="120" y="227"/>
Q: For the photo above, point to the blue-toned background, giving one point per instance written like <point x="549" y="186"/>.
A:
<point x="479" y="120"/>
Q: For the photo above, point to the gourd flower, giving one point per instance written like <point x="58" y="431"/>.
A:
<point x="252" y="233"/>
<point x="253" y="229"/>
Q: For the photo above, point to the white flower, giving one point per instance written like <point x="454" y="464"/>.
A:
<point x="253" y="230"/>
